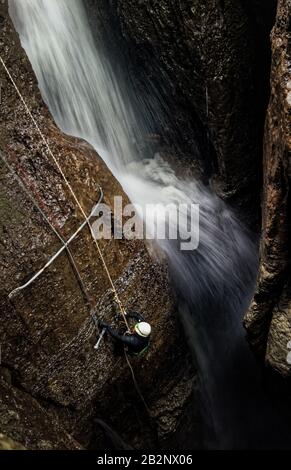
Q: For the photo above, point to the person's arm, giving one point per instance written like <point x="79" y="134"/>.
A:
<point x="127" y="340"/>
<point x="137" y="316"/>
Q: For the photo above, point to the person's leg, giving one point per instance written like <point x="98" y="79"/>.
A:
<point x="118" y="348"/>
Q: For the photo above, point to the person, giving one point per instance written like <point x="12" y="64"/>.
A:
<point x="137" y="341"/>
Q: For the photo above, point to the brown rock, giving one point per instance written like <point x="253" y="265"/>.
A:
<point x="28" y="425"/>
<point x="46" y="333"/>
<point x="9" y="444"/>
<point x="268" y="320"/>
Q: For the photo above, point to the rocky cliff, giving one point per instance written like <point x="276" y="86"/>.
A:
<point x="205" y="66"/>
<point x="203" y="70"/>
<point x="268" y="321"/>
<point x="54" y="385"/>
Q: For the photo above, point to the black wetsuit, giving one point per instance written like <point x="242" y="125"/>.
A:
<point x="135" y="343"/>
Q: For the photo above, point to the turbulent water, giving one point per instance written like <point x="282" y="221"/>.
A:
<point x="214" y="283"/>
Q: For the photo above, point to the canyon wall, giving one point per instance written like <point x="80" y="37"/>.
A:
<point x="179" y="53"/>
<point x="51" y="377"/>
<point x="202" y="68"/>
<point x="268" y="321"/>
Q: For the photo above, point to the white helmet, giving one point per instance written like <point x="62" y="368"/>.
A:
<point x="143" y="329"/>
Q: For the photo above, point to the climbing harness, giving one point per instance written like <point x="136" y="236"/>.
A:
<point x="142" y="352"/>
<point x="87" y="219"/>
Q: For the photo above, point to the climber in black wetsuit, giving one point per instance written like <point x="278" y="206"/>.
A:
<point x="136" y="342"/>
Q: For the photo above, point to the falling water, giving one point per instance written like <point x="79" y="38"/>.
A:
<point x="215" y="282"/>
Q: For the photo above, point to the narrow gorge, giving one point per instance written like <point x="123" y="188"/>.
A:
<point x="159" y="103"/>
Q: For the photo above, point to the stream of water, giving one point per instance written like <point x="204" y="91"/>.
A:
<point x="215" y="282"/>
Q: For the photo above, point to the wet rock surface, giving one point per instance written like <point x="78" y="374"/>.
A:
<point x="268" y="321"/>
<point x="47" y="336"/>
<point x="28" y="424"/>
<point x="202" y="68"/>
<point x="181" y="53"/>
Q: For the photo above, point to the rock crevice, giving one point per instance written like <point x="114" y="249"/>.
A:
<point x="268" y="320"/>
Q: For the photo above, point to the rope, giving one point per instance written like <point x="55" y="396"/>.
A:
<point x="65" y="244"/>
<point x="136" y="384"/>
<point x="122" y="310"/>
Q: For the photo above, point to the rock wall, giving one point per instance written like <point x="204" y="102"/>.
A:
<point x="24" y="420"/>
<point x="268" y="321"/>
<point x="181" y="53"/>
<point x="177" y="54"/>
<point x="46" y="333"/>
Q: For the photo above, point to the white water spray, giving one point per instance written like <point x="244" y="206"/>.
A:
<point x="215" y="282"/>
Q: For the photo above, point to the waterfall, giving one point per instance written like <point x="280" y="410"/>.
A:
<point x="77" y="84"/>
<point x="215" y="282"/>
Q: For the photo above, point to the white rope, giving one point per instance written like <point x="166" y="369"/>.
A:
<point x="53" y="258"/>
<point x="65" y="244"/>
<point x="52" y="363"/>
<point x="87" y="221"/>
<point x="88" y="329"/>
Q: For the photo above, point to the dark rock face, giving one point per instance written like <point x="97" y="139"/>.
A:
<point x="43" y="432"/>
<point x="268" y="321"/>
<point x="181" y="52"/>
<point x="46" y="333"/>
<point x="202" y="69"/>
